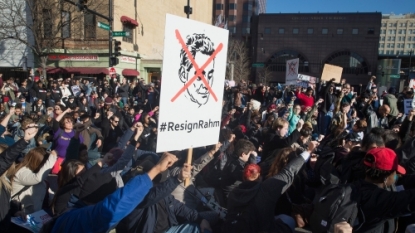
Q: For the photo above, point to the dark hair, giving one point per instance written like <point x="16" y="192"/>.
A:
<point x="281" y="160"/>
<point x="306" y="131"/>
<point x="64" y="118"/>
<point x="376" y="175"/>
<point x="392" y="139"/>
<point x="373" y="137"/>
<point x="68" y="172"/>
<point x="243" y="146"/>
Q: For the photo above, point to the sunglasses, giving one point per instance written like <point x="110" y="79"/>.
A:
<point x="116" y="121"/>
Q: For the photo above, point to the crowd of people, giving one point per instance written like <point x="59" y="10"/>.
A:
<point x="283" y="153"/>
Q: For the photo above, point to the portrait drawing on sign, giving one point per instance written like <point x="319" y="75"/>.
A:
<point x="201" y="49"/>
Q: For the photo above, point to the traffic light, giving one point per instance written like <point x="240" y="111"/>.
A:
<point x="114" y="61"/>
<point x="117" y="48"/>
<point x="82" y="5"/>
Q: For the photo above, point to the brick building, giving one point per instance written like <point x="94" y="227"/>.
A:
<point x="349" y="40"/>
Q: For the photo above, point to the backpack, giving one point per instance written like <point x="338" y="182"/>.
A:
<point x="334" y="204"/>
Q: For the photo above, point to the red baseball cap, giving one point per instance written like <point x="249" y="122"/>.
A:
<point x="383" y="159"/>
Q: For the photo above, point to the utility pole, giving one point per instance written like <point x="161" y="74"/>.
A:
<point x="110" y="20"/>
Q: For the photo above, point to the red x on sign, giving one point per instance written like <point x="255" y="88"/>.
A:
<point x="199" y="71"/>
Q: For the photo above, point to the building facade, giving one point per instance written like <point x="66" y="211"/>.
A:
<point x="84" y="50"/>
<point x="397" y="34"/>
<point x="239" y="14"/>
<point x="16" y="57"/>
<point x="349" y="40"/>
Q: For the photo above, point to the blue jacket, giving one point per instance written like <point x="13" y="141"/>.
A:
<point x="105" y="214"/>
<point x="144" y="217"/>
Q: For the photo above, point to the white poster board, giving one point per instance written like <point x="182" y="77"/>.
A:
<point x="330" y="72"/>
<point x="34" y="221"/>
<point x="412" y="83"/>
<point x="291" y="72"/>
<point x="407" y="104"/>
<point x="194" y="67"/>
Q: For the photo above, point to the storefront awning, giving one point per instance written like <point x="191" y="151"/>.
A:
<point x="78" y="70"/>
<point x="128" y="20"/>
<point x="130" y="72"/>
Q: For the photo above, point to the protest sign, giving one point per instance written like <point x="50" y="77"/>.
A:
<point x="408" y="105"/>
<point x="412" y="84"/>
<point x="291" y="72"/>
<point x="34" y="221"/>
<point x="194" y="66"/>
<point x="75" y="90"/>
<point x="332" y="71"/>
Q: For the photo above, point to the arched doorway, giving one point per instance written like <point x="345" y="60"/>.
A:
<point x="351" y="62"/>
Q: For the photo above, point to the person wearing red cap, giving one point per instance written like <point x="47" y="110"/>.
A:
<point x="377" y="204"/>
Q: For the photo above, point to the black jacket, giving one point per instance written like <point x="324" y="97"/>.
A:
<point x="258" y="215"/>
<point x="232" y="174"/>
<point x="273" y="142"/>
<point x="144" y="217"/>
<point x="380" y="207"/>
<point x="6" y="160"/>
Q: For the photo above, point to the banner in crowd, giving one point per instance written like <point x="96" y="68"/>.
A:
<point x="330" y="72"/>
<point x="194" y="67"/>
<point x="291" y="72"/>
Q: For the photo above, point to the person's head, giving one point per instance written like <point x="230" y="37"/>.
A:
<point x="360" y="126"/>
<point x="352" y="140"/>
<point x="309" y="92"/>
<point x="39" y="102"/>
<point x="84" y="118"/>
<point x="243" y="148"/>
<point x="201" y="48"/>
<point x="68" y="171"/>
<point x="145" y="118"/>
<point x="373" y="139"/>
<point x="58" y="109"/>
<point x="382" y="165"/>
<point x="24" y="82"/>
<point x="391" y="139"/>
<point x="345" y="107"/>
<point x="66" y="123"/>
<point x="23" y="99"/>
<point x="114" y="120"/>
<point x="281" y="159"/>
<point x="346" y="88"/>
<point x="26" y="122"/>
<point x="252" y="172"/>
<point x="305" y="134"/>
<point x="384" y="110"/>
<point x="18" y="109"/>
<point x="280" y="126"/>
<point x="113" y="155"/>
<point x="33" y="160"/>
<point x="297" y="109"/>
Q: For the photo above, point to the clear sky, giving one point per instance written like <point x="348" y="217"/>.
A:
<point x="311" y="6"/>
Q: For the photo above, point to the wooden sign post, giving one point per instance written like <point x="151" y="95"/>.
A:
<point x="189" y="162"/>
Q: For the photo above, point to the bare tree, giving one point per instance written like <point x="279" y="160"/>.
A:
<point x="238" y="56"/>
<point x="44" y="26"/>
<point x="264" y="74"/>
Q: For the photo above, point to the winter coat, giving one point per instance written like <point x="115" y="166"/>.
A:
<point x="144" y="217"/>
<point x="104" y="215"/>
<point x="32" y="197"/>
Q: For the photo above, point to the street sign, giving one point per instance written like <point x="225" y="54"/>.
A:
<point x="394" y="76"/>
<point x="112" y="70"/>
<point x="120" y="33"/>
<point x="104" y="26"/>
<point x="258" y="64"/>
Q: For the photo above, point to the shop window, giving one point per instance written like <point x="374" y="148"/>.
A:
<point x="130" y="30"/>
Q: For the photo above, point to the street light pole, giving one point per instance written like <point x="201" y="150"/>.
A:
<point x="110" y="33"/>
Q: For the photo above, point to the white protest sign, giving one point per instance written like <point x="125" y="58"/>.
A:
<point x="412" y="83"/>
<point x="34" y="221"/>
<point x="407" y="104"/>
<point x="332" y="71"/>
<point x="291" y="72"/>
<point x="194" y="66"/>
